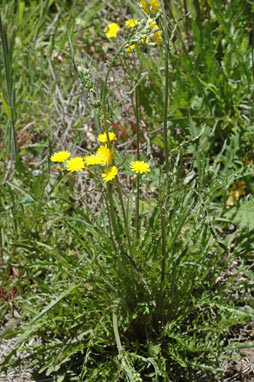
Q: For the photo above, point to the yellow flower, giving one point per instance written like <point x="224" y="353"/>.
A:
<point x="144" y="5"/>
<point x="158" y="34"/>
<point x="152" y="24"/>
<point x="158" y="37"/>
<point x="131" y="23"/>
<point x="150" y="6"/>
<point x="106" y="155"/>
<point x="155" y="6"/>
<point x="140" y="167"/>
<point x="145" y="40"/>
<point x="75" y="164"/>
<point x="130" y="47"/>
<point x="103" y="137"/>
<point x="92" y="159"/>
<point x="111" y="30"/>
<point x="61" y="156"/>
<point x="109" y="174"/>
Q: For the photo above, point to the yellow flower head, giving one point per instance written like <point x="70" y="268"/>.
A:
<point x="150" y="6"/>
<point x="152" y="24"/>
<point x="92" y="159"/>
<point x="131" y="23"/>
<point x="111" y="30"/>
<point x="158" y="37"/>
<point x="140" y="167"/>
<point x="109" y="174"/>
<point x="144" y="5"/>
<point x="155" y="6"/>
<point x="61" y="156"/>
<point x="75" y="164"/>
<point x="103" y="137"/>
<point x="145" y="40"/>
<point x="130" y="47"/>
<point x="106" y="155"/>
<point x="158" y="34"/>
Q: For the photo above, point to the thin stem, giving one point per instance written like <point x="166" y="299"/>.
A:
<point x="163" y="244"/>
<point x="126" y="225"/>
<point x="138" y="157"/>
<point x="137" y="205"/>
<point x="111" y="209"/>
<point x="11" y="100"/>
<point x="166" y="39"/>
<point x="110" y="226"/>
<point x="252" y="64"/>
<point x="166" y="152"/>
<point x="137" y="99"/>
<point x="130" y="256"/>
<point x="104" y="90"/>
<point x="116" y="333"/>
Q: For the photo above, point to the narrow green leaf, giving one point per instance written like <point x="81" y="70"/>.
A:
<point x="6" y="106"/>
<point x="45" y="310"/>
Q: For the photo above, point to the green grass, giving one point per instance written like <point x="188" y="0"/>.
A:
<point x="133" y="280"/>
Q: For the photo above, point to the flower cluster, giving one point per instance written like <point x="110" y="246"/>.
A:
<point x="143" y="31"/>
<point x="73" y="164"/>
<point x="104" y="156"/>
<point x="152" y="25"/>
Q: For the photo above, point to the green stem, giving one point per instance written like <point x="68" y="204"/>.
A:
<point x="166" y="40"/>
<point x="138" y="157"/>
<point x="111" y="210"/>
<point x="8" y="47"/>
<point x="116" y="333"/>
<point x="137" y="101"/>
<point x="166" y="152"/>
<point x="110" y="225"/>
<point x="137" y="205"/>
<point x="163" y="244"/>
<point x="104" y="90"/>
<point x="126" y="225"/>
<point x="130" y="246"/>
<point x="124" y="362"/>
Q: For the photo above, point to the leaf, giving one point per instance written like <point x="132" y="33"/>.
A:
<point x="24" y="192"/>
<point x="6" y="106"/>
<point x="147" y="206"/>
<point x="45" y="310"/>
<point x="242" y="345"/>
<point x="158" y="140"/>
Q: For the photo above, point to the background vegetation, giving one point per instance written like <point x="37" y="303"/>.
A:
<point x="82" y="308"/>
